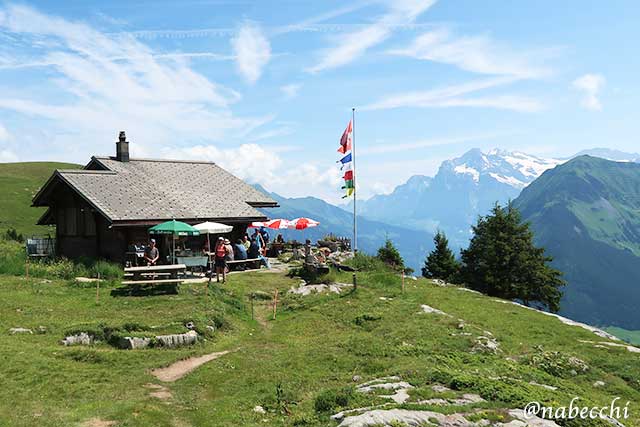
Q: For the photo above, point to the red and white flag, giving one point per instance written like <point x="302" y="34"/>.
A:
<point x="345" y="140"/>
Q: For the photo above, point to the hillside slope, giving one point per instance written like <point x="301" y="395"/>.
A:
<point x="412" y="244"/>
<point x="305" y="365"/>
<point x="19" y="183"/>
<point x="586" y="214"/>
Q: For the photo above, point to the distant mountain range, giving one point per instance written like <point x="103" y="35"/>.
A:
<point x="463" y="188"/>
<point x="412" y="244"/>
<point x="586" y="213"/>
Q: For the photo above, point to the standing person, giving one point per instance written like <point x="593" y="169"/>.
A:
<point x="221" y="260"/>
<point x="254" y="252"/>
<point x="259" y="240"/>
<point x="229" y="249"/>
<point x="151" y="254"/>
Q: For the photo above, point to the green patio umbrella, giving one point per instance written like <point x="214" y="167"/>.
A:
<point x="175" y="228"/>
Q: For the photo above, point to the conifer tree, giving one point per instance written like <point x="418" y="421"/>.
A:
<point x="390" y="255"/>
<point x="502" y="261"/>
<point x="441" y="263"/>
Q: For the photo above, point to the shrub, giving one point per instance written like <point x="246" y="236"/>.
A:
<point x="12" y="234"/>
<point x="390" y="256"/>
<point x="330" y="400"/>
<point x="364" y="262"/>
<point x="12" y="258"/>
<point x="107" y="270"/>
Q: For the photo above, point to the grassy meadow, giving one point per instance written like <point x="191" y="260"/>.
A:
<point x="298" y="367"/>
<point x="19" y="183"/>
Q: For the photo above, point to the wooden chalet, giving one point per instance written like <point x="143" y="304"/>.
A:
<point x="103" y="208"/>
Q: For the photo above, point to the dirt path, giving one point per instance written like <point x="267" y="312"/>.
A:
<point x="183" y="367"/>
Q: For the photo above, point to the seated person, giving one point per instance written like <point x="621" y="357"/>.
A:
<point x="254" y="252"/>
<point x="279" y="239"/>
<point x="246" y="241"/>
<point x="240" y="252"/>
<point x="151" y="254"/>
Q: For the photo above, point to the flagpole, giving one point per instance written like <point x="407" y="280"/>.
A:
<point x="353" y="155"/>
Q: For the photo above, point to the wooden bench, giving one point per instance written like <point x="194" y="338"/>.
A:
<point x="147" y="275"/>
<point x="251" y="262"/>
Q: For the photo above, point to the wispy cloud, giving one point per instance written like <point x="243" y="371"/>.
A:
<point x="103" y="83"/>
<point x="271" y="133"/>
<point x="426" y="143"/>
<point x="349" y="46"/>
<point x="477" y="54"/>
<point x="590" y="85"/>
<point x="290" y="91"/>
<point x="256" y="164"/>
<point x="252" y="51"/>
<point x="456" y="96"/>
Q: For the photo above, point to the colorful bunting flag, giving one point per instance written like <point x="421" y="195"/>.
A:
<point x="345" y="140"/>
<point x="346" y="161"/>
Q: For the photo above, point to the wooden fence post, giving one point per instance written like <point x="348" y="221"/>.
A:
<point x="275" y="303"/>
<point x="98" y="289"/>
<point x="403" y="281"/>
<point x="251" y="306"/>
<point x="26" y="267"/>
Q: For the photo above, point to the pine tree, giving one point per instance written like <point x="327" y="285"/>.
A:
<point x="441" y="263"/>
<point x="390" y="255"/>
<point x="502" y="261"/>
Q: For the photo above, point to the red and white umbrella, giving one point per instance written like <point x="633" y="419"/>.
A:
<point x="302" y="223"/>
<point x="278" y="224"/>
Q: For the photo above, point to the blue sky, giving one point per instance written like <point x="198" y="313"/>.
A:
<point x="265" y="88"/>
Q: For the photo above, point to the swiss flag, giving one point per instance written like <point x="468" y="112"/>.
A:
<point x="345" y="140"/>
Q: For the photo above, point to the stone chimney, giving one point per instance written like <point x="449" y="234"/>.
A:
<point x="122" y="148"/>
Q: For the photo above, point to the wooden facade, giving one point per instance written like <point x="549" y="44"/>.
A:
<point x="100" y="211"/>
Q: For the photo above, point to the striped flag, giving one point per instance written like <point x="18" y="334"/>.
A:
<point x="346" y="139"/>
<point x="346" y="161"/>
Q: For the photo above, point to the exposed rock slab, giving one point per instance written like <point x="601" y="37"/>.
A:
<point x="178" y="340"/>
<point x="431" y="310"/>
<point x="305" y="289"/>
<point x="82" y="338"/>
<point x="14" y="331"/>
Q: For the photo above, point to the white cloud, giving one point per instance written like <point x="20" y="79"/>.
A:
<point x="257" y="164"/>
<point x="590" y="85"/>
<point x="103" y="83"/>
<point x="454" y="96"/>
<point x="290" y="91"/>
<point x="477" y="54"/>
<point x="8" y="156"/>
<point x="252" y="51"/>
<point x="349" y="46"/>
<point x="4" y="133"/>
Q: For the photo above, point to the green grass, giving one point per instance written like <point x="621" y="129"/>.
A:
<point x="632" y="337"/>
<point x="19" y="183"/>
<point x="299" y="366"/>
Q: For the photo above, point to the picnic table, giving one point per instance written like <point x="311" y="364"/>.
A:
<point x="154" y="274"/>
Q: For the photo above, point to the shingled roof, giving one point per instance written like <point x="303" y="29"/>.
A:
<point x="155" y="190"/>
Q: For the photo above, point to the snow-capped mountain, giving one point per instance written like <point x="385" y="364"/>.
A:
<point x="515" y="169"/>
<point x="463" y="188"/>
